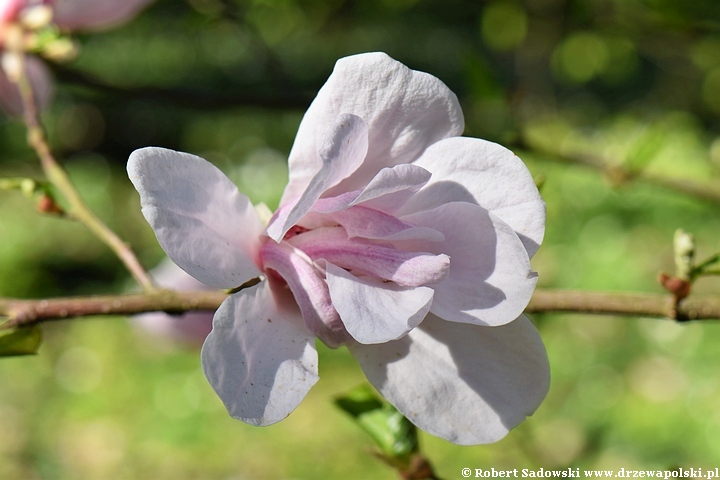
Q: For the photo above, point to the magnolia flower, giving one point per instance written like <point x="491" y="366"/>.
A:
<point x="22" y="17"/>
<point x="396" y="238"/>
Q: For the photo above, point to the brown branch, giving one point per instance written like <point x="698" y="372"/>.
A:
<point x="698" y="307"/>
<point x="30" y="312"/>
<point x="57" y="175"/>
<point x="22" y="312"/>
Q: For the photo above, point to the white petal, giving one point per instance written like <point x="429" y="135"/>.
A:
<point x="259" y="358"/>
<point x="95" y="14"/>
<point x="405" y="112"/>
<point x="203" y="223"/>
<point x="477" y="171"/>
<point x="344" y="150"/>
<point x="373" y="311"/>
<point x="491" y="280"/>
<point x="392" y="187"/>
<point x="464" y="383"/>
<point x="386" y="192"/>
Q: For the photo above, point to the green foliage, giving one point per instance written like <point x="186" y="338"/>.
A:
<point x="394" y="435"/>
<point x="20" y="341"/>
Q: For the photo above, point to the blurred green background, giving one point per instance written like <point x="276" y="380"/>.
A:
<point x="632" y="83"/>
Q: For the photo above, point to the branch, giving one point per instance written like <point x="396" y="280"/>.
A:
<point x="57" y="175"/>
<point x="618" y="174"/>
<point x="250" y="96"/>
<point x="23" y="312"/>
<point x="30" y="312"/>
<point x="698" y="307"/>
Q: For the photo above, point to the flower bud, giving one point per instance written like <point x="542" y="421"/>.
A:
<point x="36" y="16"/>
<point x="46" y="204"/>
<point x="11" y="64"/>
<point x="684" y="247"/>
<point x="678" y="287"/>
<point x="60" y="50"/>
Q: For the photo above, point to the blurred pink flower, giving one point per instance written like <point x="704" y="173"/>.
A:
<point x="190" y="328"/>
<point x="9" y="9"/>
<point x="396" y="237"/>
<point x="68" y="15"/>
<point x="94" y="14"/>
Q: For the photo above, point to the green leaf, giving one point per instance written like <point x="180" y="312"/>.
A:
<point x="708" y="267"/>
<point x="392" y="432"/>
<point x="20" y="341"/>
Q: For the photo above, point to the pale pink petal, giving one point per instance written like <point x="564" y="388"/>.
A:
<point x="344" y="150"/>
<point x="387" y="191"/>
<point x="411" y="269"/>
<point x="491" y="280"/>
<point x="95" y="14"/>
<point x="464" y="383"/>
<point x="374" y="311"/>
<point x="392" y="187"/>
<point x="477" y="171"/>
<point x="307" y="284"/>
<point x="333" y="204"/>
<point x="405" y="110"/>
<point x="359" y="221"/>
<point x="203" y="223"/>
<point x="9" y="9"/>
<point x="41" y="81"/>
<point x="259" y="358"/>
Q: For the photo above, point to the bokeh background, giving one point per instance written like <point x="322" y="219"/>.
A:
<point x="626" y="85"/>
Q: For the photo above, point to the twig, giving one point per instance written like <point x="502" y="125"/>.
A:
<point x="251" y="96"/>
<point x="23" y="312"/>
<point x="30" y="312"/>
<point x="618" y="174"/>
<point x="697" y="307"/>
<point x="57" y="175"/>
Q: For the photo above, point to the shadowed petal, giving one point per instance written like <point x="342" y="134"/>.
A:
<point x="464" y="383"/>
<point x="359" y="221"/>
<point x="392" y="187"/>
<point x="490" y="280"/>
<point x="373" y="311"/>
<point x="259" y="358"/>
<point x="388" y="191"/>
<point x="203" y="223"/>
<point x="485" y="173"/>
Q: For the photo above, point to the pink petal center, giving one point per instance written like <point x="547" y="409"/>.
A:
<point x="307" y="283"/>
<point x="357" y="239"/>
<point x="380" y="261"/>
